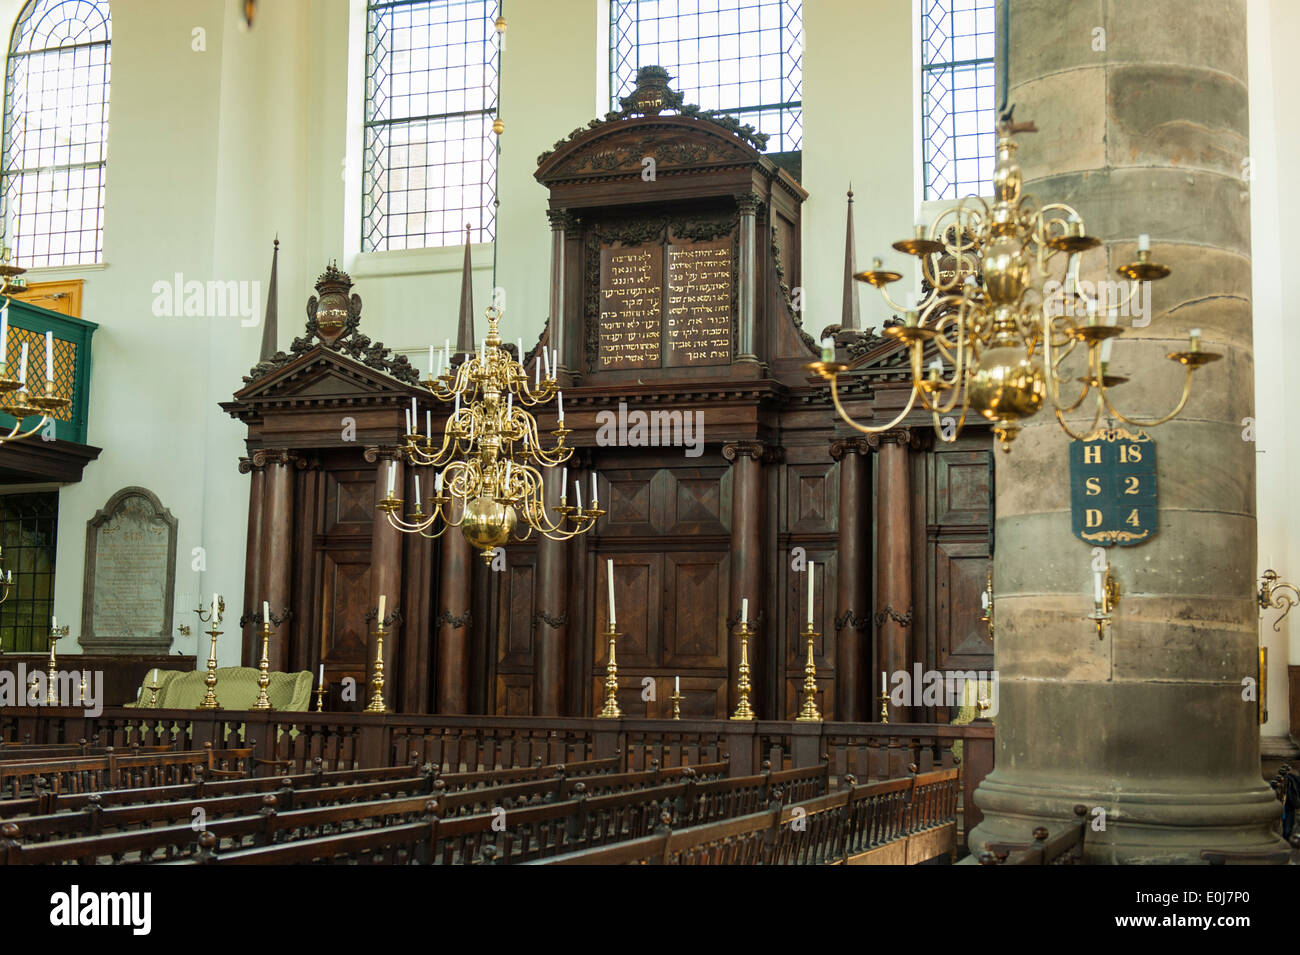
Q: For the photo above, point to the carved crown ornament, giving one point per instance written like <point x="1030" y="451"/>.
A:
<point x="651" y="97"/>
<point x="333" y="320"/>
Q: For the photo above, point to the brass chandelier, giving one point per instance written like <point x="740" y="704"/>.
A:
<point x="996" y="324"/>
<point x="488" y="479"/>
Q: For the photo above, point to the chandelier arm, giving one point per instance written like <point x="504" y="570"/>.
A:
<point x="865" y="429"/>
<point x="1136" y="422"/>
<point x="15" y="435"/>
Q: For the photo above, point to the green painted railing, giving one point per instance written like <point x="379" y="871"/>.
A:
<point x="72" y="354"/>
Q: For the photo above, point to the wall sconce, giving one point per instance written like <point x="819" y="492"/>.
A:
<point x="1105" y="595"/>
<point x="1277" y="594"/>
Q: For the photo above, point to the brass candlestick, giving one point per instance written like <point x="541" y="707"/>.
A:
<point x="320" y="698"/>
<point x="263" y="669"/>
<point x="677" y="704"/>
<point x="376" y="704"/>
<point x="743" y="709"/>
<point x="808" y="713"/>
<point x="611" y="710"/>
<point x="153" y="692"/>
<point x="52" y="677"/>
<point x="884" y="707"/>
<point x="82" y="690"/>
<point x="212" y="615"/>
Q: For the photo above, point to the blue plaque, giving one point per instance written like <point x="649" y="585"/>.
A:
<point x="1113" y="488"/>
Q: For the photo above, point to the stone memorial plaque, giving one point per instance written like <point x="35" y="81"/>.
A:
<point x="130" y="574"/>
<point x="697" y="320"/>
<point x="631" y="306"/>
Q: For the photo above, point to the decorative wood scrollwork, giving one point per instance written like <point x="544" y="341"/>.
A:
<point x="889" y="613"/>
<point x="554" y="623"/>
<point x="455" y="622"/>
<point x="850" y="619"/>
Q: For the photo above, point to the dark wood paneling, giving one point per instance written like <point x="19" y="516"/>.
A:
<point x="514" y="693"/>
<point x="812" y="500"/>
<point x="345" y="599"/>
<point x="638" y="595"/>
<point x="518" y="595"/>
<point x="695" y="501"/>
<point x="694" y="616"/>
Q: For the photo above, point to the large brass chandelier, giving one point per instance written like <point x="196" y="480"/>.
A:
<point x="997" y="323"/>
<point x="488" y="479"/>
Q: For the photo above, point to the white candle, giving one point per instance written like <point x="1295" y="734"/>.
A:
<point x="54" y="623"/>
<point x="22" y="367"/>
<point x="537" y="375"/>
<point x="49" y="357"/>
<point x="1097" y="586"/>
<point x="546" y="361"/>
<point x="610" y="565"/>
<point x="984" y="600"/>
<point x="417" y="490"/>
<point x="884" y="683"/>
<point x="577" y="489"/>
<point x="321" y="681"/>
<point x="432" y="368"/>
<point x="677" y="684"/>
<point x="216" y="604"/>
<point x="744" y="611"/>
<point x="457" y="411"/>
<point x="508" y="464"/>
<point x="266" y="611"/>
<point x="428" y="423"/>
<point x="392" y="476"/>
<point x="936" y="367"/>
<point x="564" y="486"/>
<point x="595" y="492"/>
<point x="1144" y="242"/>
<point x="555" y="362"/>
<point x="811" y="577"/>
<point x="510" y="404"/>
<point x="155" y="675"/>
<point x="559" y="395"/>
<point x="519" y="343"/>
<point x="437" y="483"/>
<point x="408" y="422"/>
<point x="383" y="599"/>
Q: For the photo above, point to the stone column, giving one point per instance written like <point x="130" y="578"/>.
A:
<point x="893" y="614"/>
<point x="747" y="505"/>
<point x="277" y="553"/>
<point x="853" y="604"/>
<point x="250" y="652"/>
<point x="747" y="272"/>
<point x="454" y="621"/>
<point x="551" y="621"/>
<point x="1147" y="723"/>
<point x="386" y="570"/>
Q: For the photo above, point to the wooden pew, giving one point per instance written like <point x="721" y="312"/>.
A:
<point x="1065" y="848"/>
<point x="117" y="771"/>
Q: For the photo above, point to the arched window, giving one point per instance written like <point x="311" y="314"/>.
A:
<point x="743" y="57"/>
<point x="430" y="160"/>
<point x="958" y="137"/>
<point x="56" y="132"/>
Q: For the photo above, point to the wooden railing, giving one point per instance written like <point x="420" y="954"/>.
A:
<point x="291" y="742"/>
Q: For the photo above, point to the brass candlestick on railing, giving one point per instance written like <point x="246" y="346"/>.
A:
<point x="376" y="704"/>
<point x="677" y="704"/>
<point x="212" y="615"/>
<point x="809" y="713"/>
<point x="884" y="707"/>
<point x="320" y="698"/>
<point x="611" y="710"/>
<point x="153" y="691"/>
<point x="264" y="669"/>
<point x="743" y="709"/>
<point x="52" y="678"/>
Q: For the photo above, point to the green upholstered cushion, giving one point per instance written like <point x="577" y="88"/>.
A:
<point x="237" y="689"/>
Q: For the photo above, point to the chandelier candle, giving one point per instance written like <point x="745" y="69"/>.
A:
<point x="49" y="358"/>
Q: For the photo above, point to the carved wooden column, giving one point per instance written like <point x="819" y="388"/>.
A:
<point x="249" y="651"/>
<point x="417" y="622"/>
<point x="748" y="503"/>
<point x="551" y="620"/>
<point x="853" y="688"/>
<point x="454" y="621"/>
<point x="561" y="224"/>
<point x="386" y="570"/>
<point x="277" y="551"/>
<point x="747" y="277"/>
<point x="893" y="614"/>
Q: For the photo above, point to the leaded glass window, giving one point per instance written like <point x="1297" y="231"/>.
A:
<point x="430" y="156"/>
<point x="742" y="57"/>
<point x="958" y="113"/>
<point x="56" y="132"/>
<point x="28" y="530"/>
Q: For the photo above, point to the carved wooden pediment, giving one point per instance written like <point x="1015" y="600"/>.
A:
<point x="320" y="377"/>
<point x="672" y="142"/>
